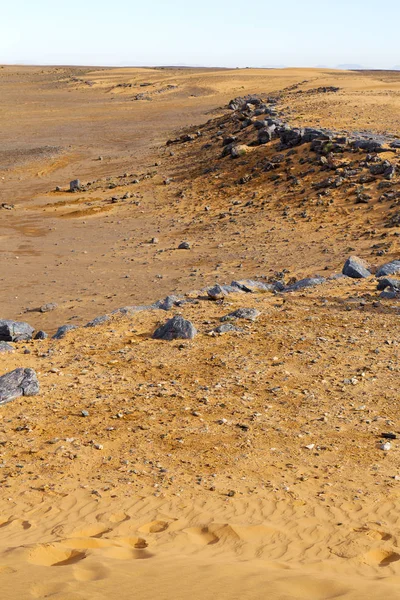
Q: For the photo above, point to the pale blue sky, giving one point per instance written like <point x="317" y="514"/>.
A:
<point x="226" y="33"/>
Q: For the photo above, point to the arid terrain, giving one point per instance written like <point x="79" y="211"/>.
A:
<point x="257" y="461"/>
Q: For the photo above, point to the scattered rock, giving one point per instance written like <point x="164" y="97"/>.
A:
<point x="305" y="283"/>
<point x="41" y="335"/>
<point x="390" y="268"/>
<point x="15" y="331"/>
<point x="74" y="185"/>
<point x="48" y="307"/>
<point x="175" y="328"/>
<point x="225" y="328"/>
<point x="168" y="302"/>
<point x="240" y="150"/>
<point x="17" y="383"/>
<point x="250" y="285"/>
<point x="184" y="246"/>
<point x="63" y="330"/>
<point x="98" y="321"/>
<point x="250" y="314"/>
<point x="388" y="282"/>
<point x="4" y="347"/>
<point x="217" y="292"/>
<point x="356" y="268"/>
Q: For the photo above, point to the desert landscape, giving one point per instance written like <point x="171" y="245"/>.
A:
<point x="199" y="359"/>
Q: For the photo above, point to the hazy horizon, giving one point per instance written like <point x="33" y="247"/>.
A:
<point x="219" y="34"/>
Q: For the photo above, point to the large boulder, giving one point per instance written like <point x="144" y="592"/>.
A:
<point x="174" y="329"/>
<point x="15" y="331"/>
<point x="17" y="383"/>
<point x="390" y="268"/>
<point x="356" y="268"/>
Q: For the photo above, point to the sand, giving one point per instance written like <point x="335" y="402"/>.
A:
<point x="236" y="466"/>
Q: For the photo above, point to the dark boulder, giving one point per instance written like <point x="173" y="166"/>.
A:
<point x="41" y="335"/>
<point x="390" y="268"/>
<point x="265" y="135"/>
<point x="15" y="331"/>
<point x="356" y="268"/>
<point x="290" y="137"/>
<point x="311" y="134"/>
<point x="388" y="282"/>
<point x="174" y="329"/>
<point x="17" y="383"/>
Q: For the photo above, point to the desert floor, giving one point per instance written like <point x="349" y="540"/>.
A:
<point x="246" y="465"/>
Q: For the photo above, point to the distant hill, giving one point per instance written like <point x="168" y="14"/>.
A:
<point x="350" y="66"/>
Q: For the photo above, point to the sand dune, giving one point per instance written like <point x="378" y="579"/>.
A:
<point x="244" y="465"/>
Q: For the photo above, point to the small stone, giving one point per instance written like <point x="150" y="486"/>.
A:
<point x="386" y="446"/>
<point x="84" y="413"/>
<point x="184" y="246"/>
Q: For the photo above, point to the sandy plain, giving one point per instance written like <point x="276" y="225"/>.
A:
<point x="236" y="466"/>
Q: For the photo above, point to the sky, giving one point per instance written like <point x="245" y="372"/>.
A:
<point x="225" y="33"/>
